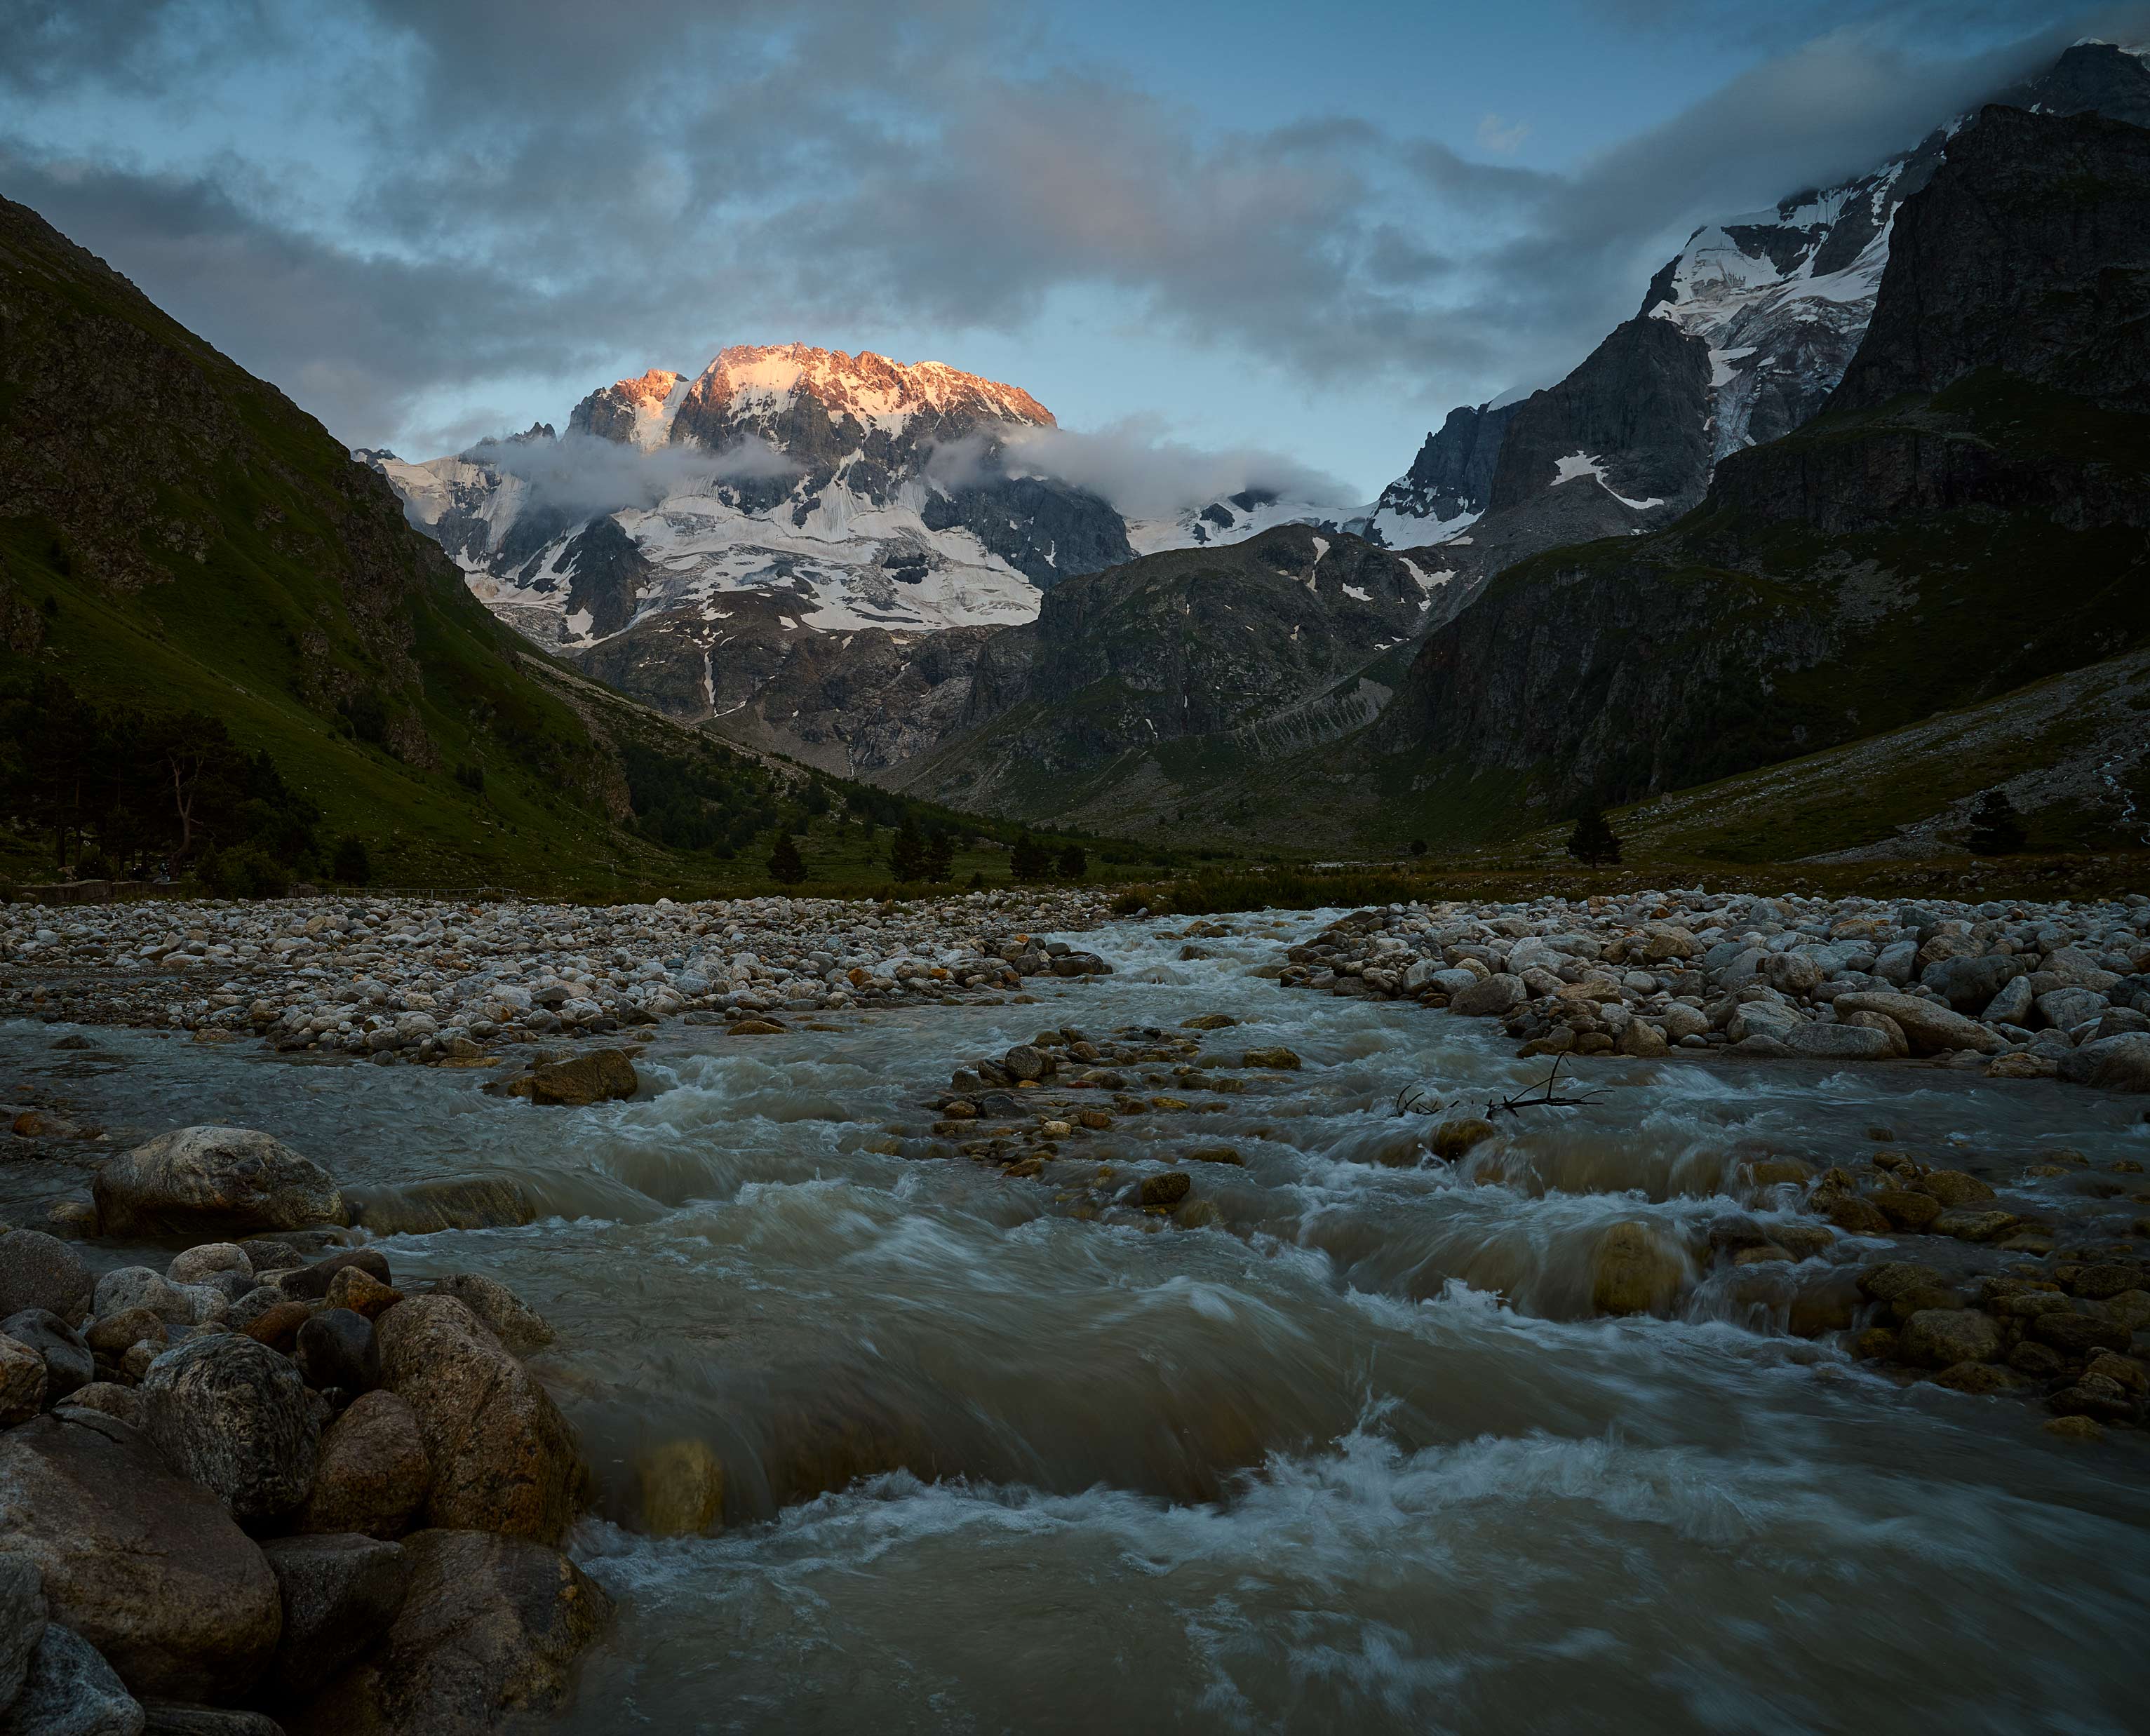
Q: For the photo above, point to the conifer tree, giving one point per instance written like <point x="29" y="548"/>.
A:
<point x="1996" y="829"/>
<point x="786" y="866"/>
<point x="906" y="852"/>
<point x="1593" y="840"/>
<point x="1074" y="862"/>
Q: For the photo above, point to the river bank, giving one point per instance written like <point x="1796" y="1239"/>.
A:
<point x="1370" y="1418"/>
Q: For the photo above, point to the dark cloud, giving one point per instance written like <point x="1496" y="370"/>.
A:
<point x="514" y="190"/>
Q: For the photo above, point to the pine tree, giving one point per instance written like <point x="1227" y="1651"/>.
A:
<point x="786" y="866"/>
<point x="906" y="852"/>
<point x="1997" y="829"/>
<point x="1029" y="860"/>
<point x="1593" y="840"/>
<point x="1074" y="863"/>
<point x="941" y="854"/>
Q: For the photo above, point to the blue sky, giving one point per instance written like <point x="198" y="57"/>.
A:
<point x="1300" y="231"/>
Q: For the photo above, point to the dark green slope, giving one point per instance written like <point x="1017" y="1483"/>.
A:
<point x="176" y="536"/>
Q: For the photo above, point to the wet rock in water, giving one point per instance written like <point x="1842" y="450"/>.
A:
<point x="1892" y="1279"/>
<point x="1636" y="1272"/>
<point x="1454" y="1137"/>
<point x="511" y="1320"/>
<point x="1977" y="1380"/>
<point x="337" y="1349"/>
<point x="1942" y="1337"/>
<point x="374" y="1475"/>
<point x="233" y="1180"/>
<point x="69" y="1690"/>
<point x="2097" y="1396"/>
<point x="1167" y="1190"/>
<point x="173" y="1717"/>
<point x="1209" y="1021"/>
<point x="682" y="1486"/>
<point x="1197" y="1214"/>
<point x="1275" y="1059"/>
<point x="597" y="1076"/>
<point x="21" y="1382"/>
<point x="1968" y="1225"/>
<point x="502" y="1456"/>
<point x="149" y="1568"/>
<point x="2080" y="1334"/>
<point x="41" y="1271"/>
<point x="340" y="1592"/>
<point x="75" y="1219"/>
<point x="1856" y="1215"/>
<point x="233" y="1415"/>
<point x="476" y="1202"/>
<point x="69" y="1363"/>
<point x="2112" y="1063"/>
<point x="1215" y="1154"/>
<point x="1953" y="1187"/>
<point x="1026" y="1062"/>
<point x="313" y="1281"/>
<point x="1907" y="1210"/>
<point x="490" y="1626"/>
<point x="2075" y="1428"/>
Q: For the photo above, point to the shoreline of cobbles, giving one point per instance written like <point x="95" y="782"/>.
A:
<point x="403" y="979"/>
<point x="2013" y="990"/>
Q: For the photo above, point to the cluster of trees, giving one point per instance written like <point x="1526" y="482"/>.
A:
<point x="121" y="792"/>
<point x="717" y="805"/>
<point x="1593" y="841"/>
<point x="1030" y="860"/>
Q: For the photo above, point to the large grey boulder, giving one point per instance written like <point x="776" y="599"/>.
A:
<point x="21" y="1382"/>
<point x="340" y="1592"/>
<point x="504" y="1457"/>
<point x="214" y="1181"/>
<point x="517" y="1326"/>
<point x="374" y="1475"/>
<point x="1928" y="1027"/>
<point x="489" y="1627"/>
<point x="41" y="1271"/>
<point x="1495" y="998"/>
<point x="22" y="1620"/>
<point x="1969" y="984"/>
<point x="149" y="1568"/>
<point x="2111" y="1063"/>
<point x="234" y="1416"/>
<point x="70" y="1690"/>
<point x="1838" y="1042"/>
<point x="2065" y="1008"/>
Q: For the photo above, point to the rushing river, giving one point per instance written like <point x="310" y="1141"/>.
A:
<point x="992" y="1465"/>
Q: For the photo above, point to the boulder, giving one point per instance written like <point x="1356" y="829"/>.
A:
<point x="374" y="1475"/>
<point x="70" y="1690"/>
<point x="1495" y="997"/>
<point x="594" y="1077"/>
<point x="1942" y="1337"/>
<point x="1969" y="984"/>
<point x="2108" y="1063"/>
<point x="1953" y="1187"/>
<point x="173" y="1717"/>
<point x="149" y="1568"/>
<point x="1760" y="1018"/>
<point x="361" y="1293"/>
<point x="341" y="1592"/>
<point x="2065" y="1008"/>
<point x="68" y="1363"/>
<point x="1636" y="1272"/>
<point x="232" y="1415"/>
<point x="309" y="1282"/>
<point x="1166" y="1190"/>
<point x="511" y="1321"/>
<point x="1276" y="1058"/>
<point x="41" y="1271"/>
<point x="682" y="1484"/>
<point x="230" y="1181"/>
<point x="110" y="1399"/>
<point x="490" y="1626"/>
<point x="1893" y="1032"/>
<point x="2009" y="1006"/>
<point x="461" y="1202"/>
<point x="338" y="1347"/>
<point x="126" y="1288"/>
<point x="1928" y="1027"/>
<point x="1839" y="1043"/>
<point x="1452" y="1138"/>
<point x="198" y="1265"/>
<point x="21" y="1382"/>
<point x="1643" y="1041"/>
<point x="22" y="1620"/>
<point x="502" y="1456"/>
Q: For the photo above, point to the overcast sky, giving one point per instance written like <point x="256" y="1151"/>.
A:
<point x="1305" y="228"/>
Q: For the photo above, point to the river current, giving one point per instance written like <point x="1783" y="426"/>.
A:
<point x="1357" y="1457"/>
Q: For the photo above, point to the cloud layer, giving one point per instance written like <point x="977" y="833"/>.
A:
<point x="400" y="210"/>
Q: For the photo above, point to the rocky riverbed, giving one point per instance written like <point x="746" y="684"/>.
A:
<point x="1166" y="1341"/>
<point x="2014" y="991"/>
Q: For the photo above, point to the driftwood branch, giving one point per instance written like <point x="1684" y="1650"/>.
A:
<point x="1550" y="1097"/>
